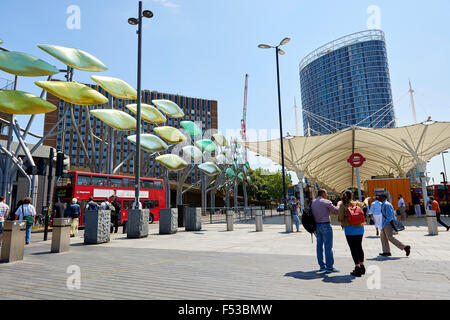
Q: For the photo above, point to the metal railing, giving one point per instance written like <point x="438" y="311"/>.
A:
<point x="241" y="214"/>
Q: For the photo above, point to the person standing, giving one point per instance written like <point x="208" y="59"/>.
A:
<point x="74" y="210"/>
<point x="58" y="209"/>
<point x="416" y="203"/>
<point x="375" y="211"/>
<point x="26" y="212"/>
<point x="436" y="208"/>
<point x="4" y="211"/>
<point x="402" y="207"/>
<point x="295" y="212"/>
<point x="321" y="208"/>
<point x="352" y="220"/>
<point x="105" y="205"/>
<point x="92" y="205"/>
<point x="388" y="215"/>
<point x="115" y="215"/>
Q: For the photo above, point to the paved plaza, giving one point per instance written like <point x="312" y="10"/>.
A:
<point x="243" y="264"/>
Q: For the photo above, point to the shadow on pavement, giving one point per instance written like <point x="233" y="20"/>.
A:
<point x="372" y="237"/>
<point x="312" y="275"/>
<point x="309" y="275"/>
<point x="385" y="258"/>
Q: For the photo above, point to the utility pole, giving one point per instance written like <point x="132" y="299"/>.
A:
<point x="296" y="118"/>
<point x="413" y="107"/>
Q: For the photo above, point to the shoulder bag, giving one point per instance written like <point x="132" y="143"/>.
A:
<point x="28" y="219"/>
<point x="395" y="224"/>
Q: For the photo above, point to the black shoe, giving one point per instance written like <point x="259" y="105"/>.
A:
<point x="408" y="250"/>
<point x="356" y="272"/>
<point x="385" y="254"/>
<point x="363" y="270"/>
<point x="448" y="228"/>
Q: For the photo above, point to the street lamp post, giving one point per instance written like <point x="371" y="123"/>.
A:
<point x="138" y="21"/>
<point x="279" y="51"/>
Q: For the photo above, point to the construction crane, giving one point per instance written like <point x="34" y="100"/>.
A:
<point x="244" y="117"/>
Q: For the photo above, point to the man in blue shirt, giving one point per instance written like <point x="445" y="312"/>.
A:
<point x="388" y="214"/>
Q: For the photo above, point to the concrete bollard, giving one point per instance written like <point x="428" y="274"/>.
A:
<point x="193" y="219"/>
<point x="432" y="223"/>
<point x="137" y="225"/>
<point x="61" y="235"/>
<point x="13" y="242"/>
<point x="168" y="221"/>
<point x="259" y="220"/>
<point x="97" y="226"/>
<point x="230" y="220"/>
<point x="288" y="221"/>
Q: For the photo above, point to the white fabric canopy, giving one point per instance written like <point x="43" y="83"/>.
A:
<point x="323" y="158"/>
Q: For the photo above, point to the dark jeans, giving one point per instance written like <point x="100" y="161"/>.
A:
<point x="355" y="244"/>
<point x="438" y="218"/>
<point x="115" y="221"/>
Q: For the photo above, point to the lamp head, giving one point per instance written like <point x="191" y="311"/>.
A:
<point x="147" y="14"/>
<point x="284" y="41"/>
<point x="264" y="46"/>
<point x="281" y="52"/>
<point x="133" y="21"/>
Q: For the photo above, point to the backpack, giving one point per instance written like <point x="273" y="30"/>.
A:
<point x="110" y="206"/>
<point x="308" y="221"/>
<point x="355" y="216"/>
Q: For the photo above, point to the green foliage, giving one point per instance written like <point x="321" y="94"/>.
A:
<point x="266" y="187"/>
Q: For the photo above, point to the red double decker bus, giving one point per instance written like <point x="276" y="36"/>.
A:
<point x="82" y="185"/>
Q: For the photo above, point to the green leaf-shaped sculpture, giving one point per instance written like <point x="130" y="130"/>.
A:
<point x="172" y="162"/>
<point x="23" y="64"/>
<point x="192" y="128"/>
<point x="1" y="41"/>
<point x="192" y="153"/>
<point x="73" y="92"/>
<point x="230" y="173"/>
<point x="169" y="108"/>
<point x="170" y="134"/>
<point x="209" y="168"/>
<point x="207" y="145"/>
<point x="220" y="139"/>
<point x="117" y="87"/>
<point x="241" y="176"/>
<point x="247" y="164"/>
<point x="150" y="143"/>
<point x="75" y="58"/>
<point x="116" y="119"/>
<point x="18" y="102"/>
<point x="148" y="113"/>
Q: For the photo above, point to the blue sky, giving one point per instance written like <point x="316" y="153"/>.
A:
<point x="204" y="48"/>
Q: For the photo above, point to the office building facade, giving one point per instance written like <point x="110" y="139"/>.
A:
<point x="346" y="82"/>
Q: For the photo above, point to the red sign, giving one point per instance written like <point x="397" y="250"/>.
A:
<point x="356" y="160"/>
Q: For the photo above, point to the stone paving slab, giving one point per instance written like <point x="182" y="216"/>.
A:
<point x="215" y="264"/>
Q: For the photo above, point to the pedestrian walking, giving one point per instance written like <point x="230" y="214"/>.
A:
<point x="4" y="212"/>
<point x="436" y="208"/>
<point x="27" y="212"/>
<point x="375" y="212"/>
<point x="402" y="207"/>
<point x="416" y="203"/>
<point x="58" y="209"/>
<point x="388" y="215"/>
<point x="295" y="213"/>
<point x="133" y="207"/>
<point x="352" y="219"/>
<point x="92" y="205"/>
<point x="106" y="205"/>
<point x="74" y="210"/>
<point x="321" y="208"/>
<point x="115" y="215"/>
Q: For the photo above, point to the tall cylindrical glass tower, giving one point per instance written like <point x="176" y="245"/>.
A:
<point x="346" y="82"/>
